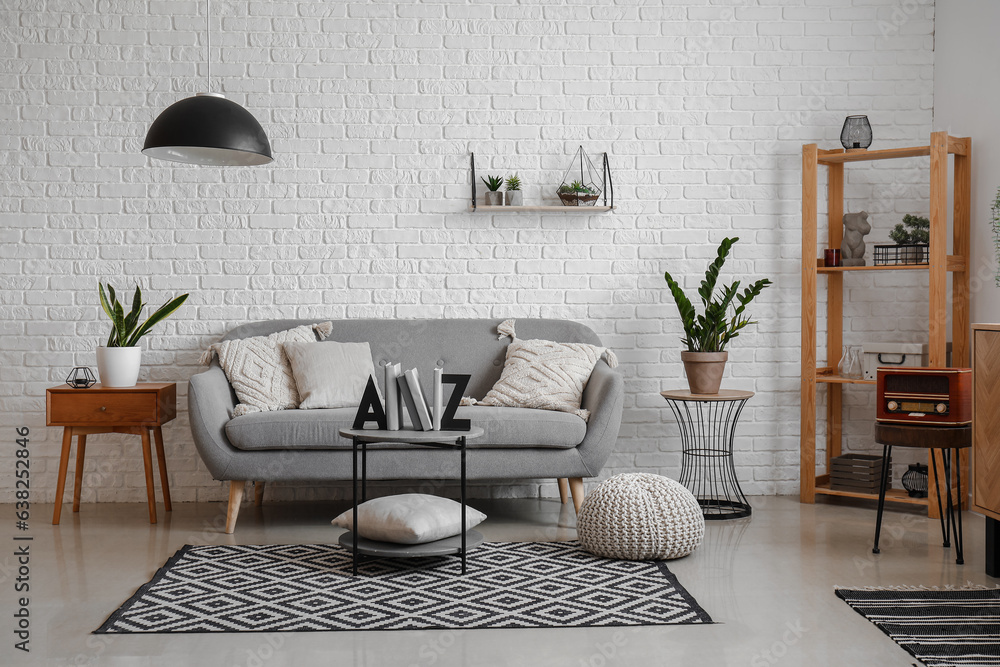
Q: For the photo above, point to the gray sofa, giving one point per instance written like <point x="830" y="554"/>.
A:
<point x="305" y="446"/>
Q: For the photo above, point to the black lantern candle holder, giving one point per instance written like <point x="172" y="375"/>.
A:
<point x="81" y="377"/>
<point x="856" y="135"/>
<point x="915" y="480"/>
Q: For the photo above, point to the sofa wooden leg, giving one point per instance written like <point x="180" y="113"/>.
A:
<point x="258" y="493"/>
<point x="563" y="489"/>
<point x="576" y="488"/>
<point x="235" y="498"/>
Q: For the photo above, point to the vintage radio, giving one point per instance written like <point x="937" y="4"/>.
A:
<point x="918" y="395"/>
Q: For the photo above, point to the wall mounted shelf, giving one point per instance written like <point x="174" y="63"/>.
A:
<point x="541" y="209"/>
<point x="607" y="187"/>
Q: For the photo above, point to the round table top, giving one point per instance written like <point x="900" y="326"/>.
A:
<point x="410" y="436"/>
<point x="723" y="395"/>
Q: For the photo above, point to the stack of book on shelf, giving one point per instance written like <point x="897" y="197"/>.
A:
<point x="409" y="396"/>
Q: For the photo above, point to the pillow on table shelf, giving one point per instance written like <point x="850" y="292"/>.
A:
<point x="544" y="374"/>
<point x="330" y="374"/>
<point x="410" y="518"/>
<point x="258" y="368"/>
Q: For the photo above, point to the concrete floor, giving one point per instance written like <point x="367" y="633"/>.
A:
<point x="767" y="581"/>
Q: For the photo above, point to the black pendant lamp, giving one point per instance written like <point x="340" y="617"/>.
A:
<point x="208" y="129"/>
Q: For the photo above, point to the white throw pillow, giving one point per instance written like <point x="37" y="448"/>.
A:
<point x="410" y="518"/>
<point x="544" y="374"/>
<point x="258" y="368"/>
<point x="330" y="374"/>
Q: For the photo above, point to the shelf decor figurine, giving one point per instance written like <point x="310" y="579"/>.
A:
<point x="81" y="377"/>
<point x="493" y="196"/>
<point x="852" y="248"/>
<point x="513" y="195"/>
<point x="856" y="135"/>
<point x="580" y="184"/>
<point x="707" y="335"/>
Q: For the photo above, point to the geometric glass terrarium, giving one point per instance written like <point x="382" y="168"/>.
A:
<point x="581" y="184"/>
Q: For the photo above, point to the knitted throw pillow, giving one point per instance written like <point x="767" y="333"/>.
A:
<point x="258" y="367"/>
<point x="544" y="374"/>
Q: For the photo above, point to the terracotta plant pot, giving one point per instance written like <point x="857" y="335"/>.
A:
<point x="704" y="370"/>
<point x="118" y="366"/>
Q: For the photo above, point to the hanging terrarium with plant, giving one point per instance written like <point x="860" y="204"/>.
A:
<point x="582" y="183"/>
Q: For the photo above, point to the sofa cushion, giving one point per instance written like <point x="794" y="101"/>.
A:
<point x="258" y="368"/>
<point x="320" y="429"/>
<point x="544" y="374"/>
<point x="330" y="375"/>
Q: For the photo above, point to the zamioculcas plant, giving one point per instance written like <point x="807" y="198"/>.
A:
<point x="712" y="330"/>
<point x="125" y="329"/>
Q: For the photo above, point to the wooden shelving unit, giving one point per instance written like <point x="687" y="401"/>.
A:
<point x="941" y="263"/>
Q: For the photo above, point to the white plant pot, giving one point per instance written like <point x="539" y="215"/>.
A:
<point x="512" y="198"/>
<point x="118" y="366"/>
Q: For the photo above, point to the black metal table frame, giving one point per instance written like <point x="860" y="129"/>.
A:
<point x="730" y="503"/>
<point x="947" y="525"/>
<point x="459" y="444"/>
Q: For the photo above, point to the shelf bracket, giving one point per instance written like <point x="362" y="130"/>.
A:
<point x="473" y="182"/>
<point x="608" y="183"/>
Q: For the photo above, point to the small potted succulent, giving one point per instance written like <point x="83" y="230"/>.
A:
<point x="118" y="361"/>
<point x="707" y="335"/>
<point x="493" y="196"/>
<point x="577" y="194"/>
<point x="513" y="195"/>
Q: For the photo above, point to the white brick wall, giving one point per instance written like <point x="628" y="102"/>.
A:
<point x="372" y="109"/>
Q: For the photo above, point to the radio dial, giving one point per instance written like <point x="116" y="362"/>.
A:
<point x="893" y="406"/>
<point x="941" y="408"/>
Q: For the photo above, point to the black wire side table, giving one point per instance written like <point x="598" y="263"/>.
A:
<point x="708" y="428"/>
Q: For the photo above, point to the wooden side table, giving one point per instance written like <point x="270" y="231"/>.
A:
<point x="133" y="410"/>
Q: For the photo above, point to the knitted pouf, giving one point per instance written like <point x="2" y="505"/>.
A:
<point x="638" y="516"/>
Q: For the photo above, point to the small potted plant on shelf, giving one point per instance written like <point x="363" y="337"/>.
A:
<point x="493" y="196"/>
<point x="513" y="195"/>
<point x="912" y="237"/>
<point x="707" y="335"/>
<point x="118" y="361"/>
<point x="577" y="194"/>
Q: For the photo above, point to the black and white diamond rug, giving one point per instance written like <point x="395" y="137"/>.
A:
<point x="309" y="587"/>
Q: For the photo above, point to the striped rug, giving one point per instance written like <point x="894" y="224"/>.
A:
<point x="938" y="627"/>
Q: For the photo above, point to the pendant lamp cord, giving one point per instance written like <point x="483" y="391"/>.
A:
<point x="208" y="39"/>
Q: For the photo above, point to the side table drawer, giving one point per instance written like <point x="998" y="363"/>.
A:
<point x="101" y="408"/>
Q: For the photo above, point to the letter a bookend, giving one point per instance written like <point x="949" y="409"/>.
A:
<point x="371" y="409"/>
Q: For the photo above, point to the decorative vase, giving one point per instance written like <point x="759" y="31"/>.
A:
<point x="118" y="366"/>
<point x="704" y="370"/>
<point x="494" y="198"/>
<point x="513" y="198"/>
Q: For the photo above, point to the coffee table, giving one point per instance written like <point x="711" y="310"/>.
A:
<point x="361" y="438"/>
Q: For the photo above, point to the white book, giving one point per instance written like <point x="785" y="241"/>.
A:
<point x="420" y="403"/>
<point x="438" y="398"/>
<point x="391" y="397"/>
